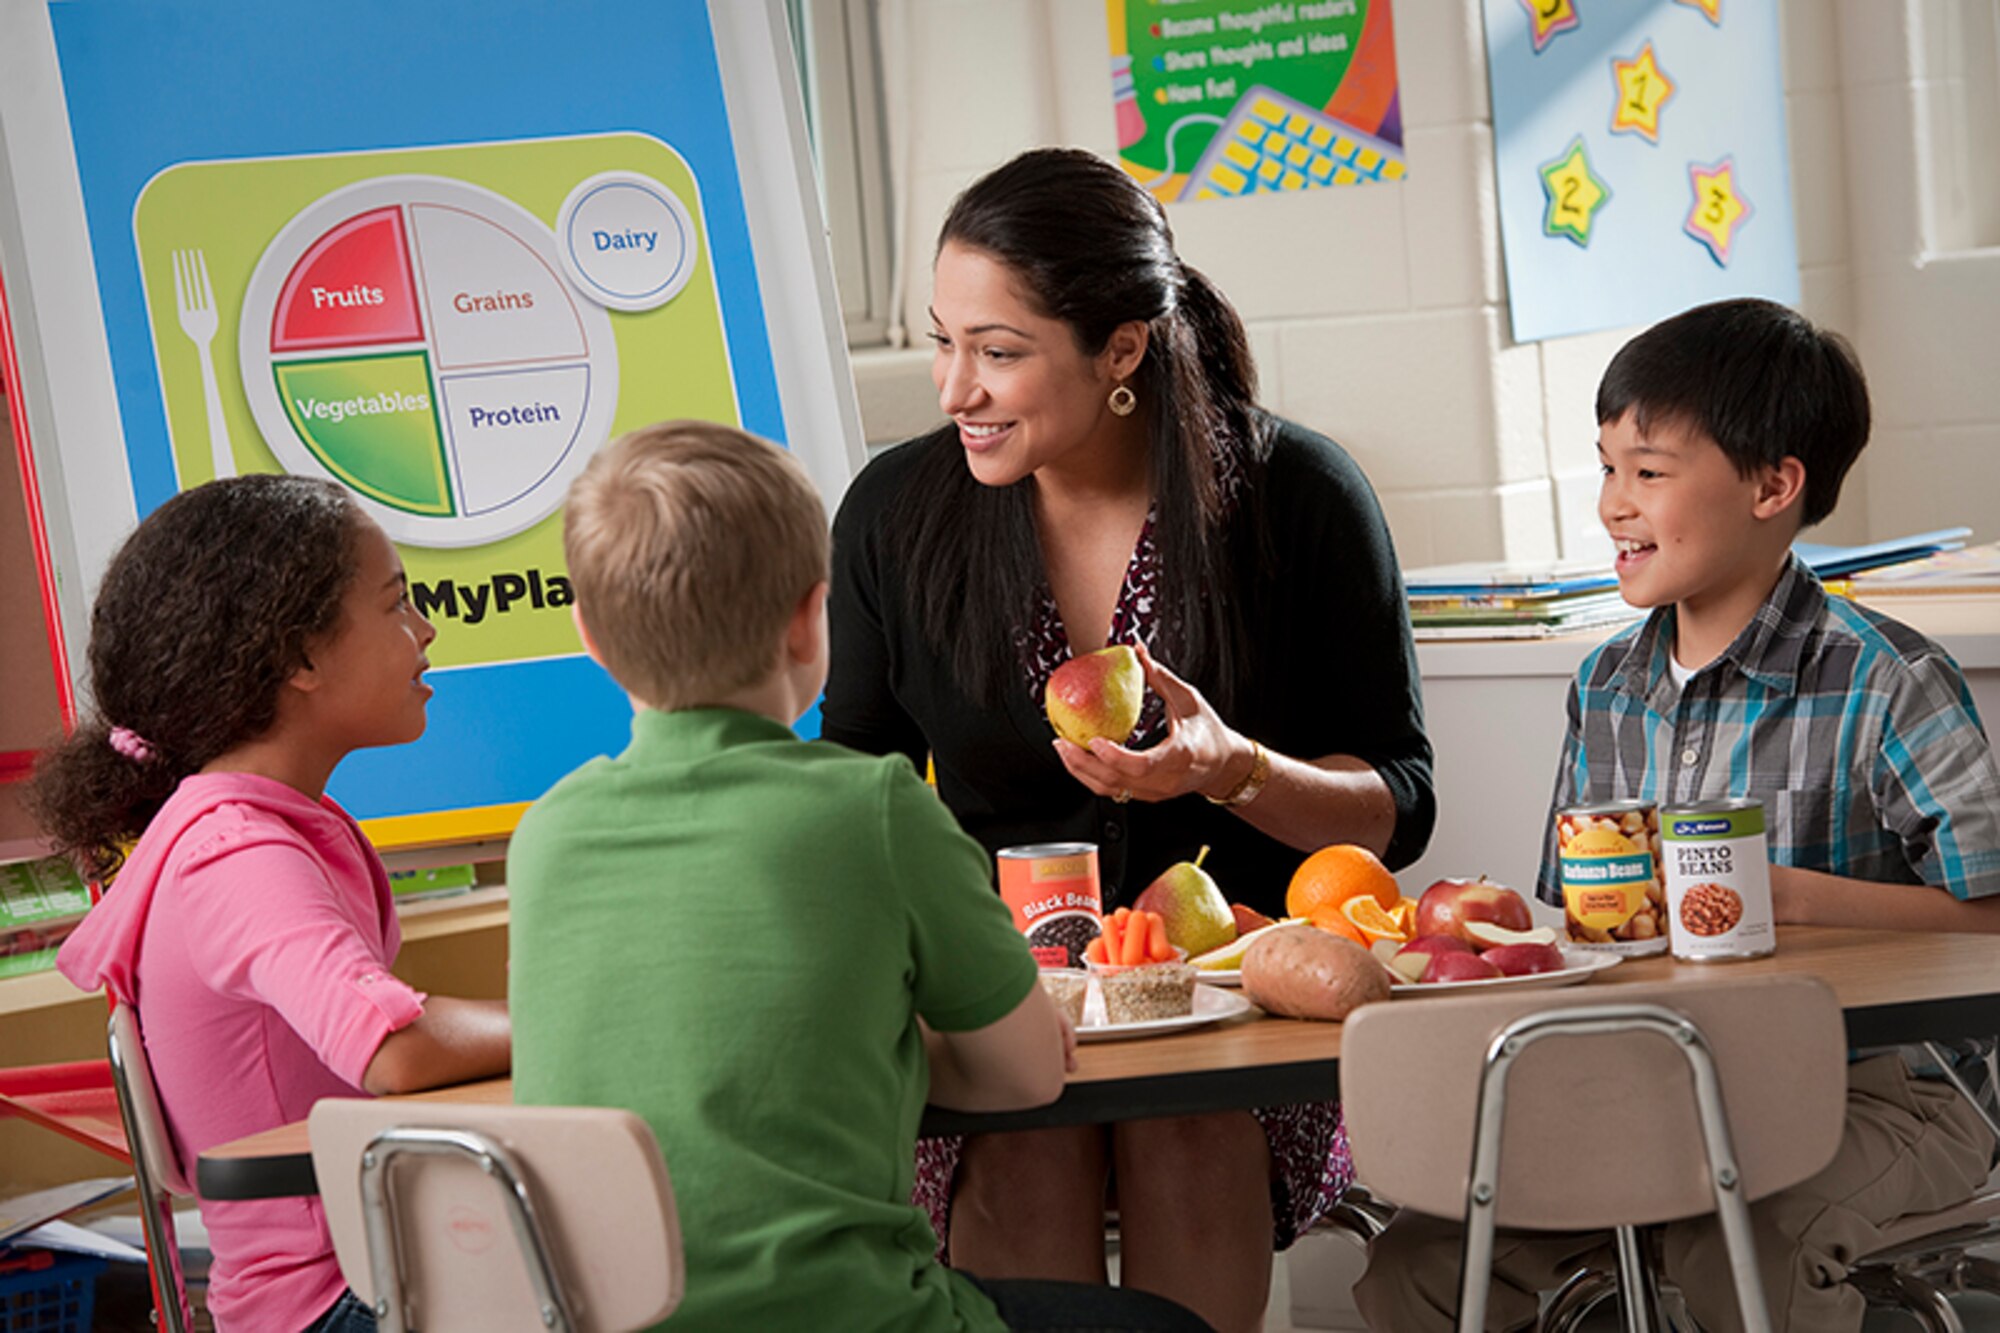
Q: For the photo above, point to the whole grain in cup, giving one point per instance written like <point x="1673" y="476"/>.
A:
<point x="1067" y="987"/>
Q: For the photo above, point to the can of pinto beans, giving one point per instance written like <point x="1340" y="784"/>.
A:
<point x="1718" y="872"/>
<point x="1051" y="888"/>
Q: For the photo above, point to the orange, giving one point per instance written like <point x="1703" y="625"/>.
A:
<point x="1332" y="875"/>
<point x="1369" y="918"/>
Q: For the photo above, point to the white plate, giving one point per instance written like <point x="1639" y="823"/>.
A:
<point x="1220" y="976"/>
<point x="1211" y="1005"/>
<point x="1578" y="965"/>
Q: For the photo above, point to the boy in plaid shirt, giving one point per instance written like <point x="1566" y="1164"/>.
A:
<point x="1722" y="432"/>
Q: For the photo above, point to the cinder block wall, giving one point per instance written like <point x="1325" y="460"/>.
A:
<point x="1378" y="314"/>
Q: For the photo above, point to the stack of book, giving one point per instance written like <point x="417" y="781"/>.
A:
<point x="1855" y="562"/>
<point x="1500" y="601"/>
<point x="1485" y="601"/>
<point x="1966" y="577"/>
<point x="40" y="904"/>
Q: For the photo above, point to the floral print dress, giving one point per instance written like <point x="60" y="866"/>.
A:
<point x="1310" y="1166"/>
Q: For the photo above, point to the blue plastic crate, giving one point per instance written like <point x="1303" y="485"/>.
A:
<point x="55" y="1299"/>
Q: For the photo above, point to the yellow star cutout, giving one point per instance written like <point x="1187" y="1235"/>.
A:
<point x="1551" y="18"/>
<point x="1719" y="210"/>
<point x="1643" y="88"/>
<point x="1711" y="8"/>
<point x="1574" y="194"/>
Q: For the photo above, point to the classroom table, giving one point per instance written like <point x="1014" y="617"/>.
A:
<point x="1892" y="988"/>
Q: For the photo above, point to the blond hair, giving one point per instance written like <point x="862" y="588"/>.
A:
<point x="690" y="545"/>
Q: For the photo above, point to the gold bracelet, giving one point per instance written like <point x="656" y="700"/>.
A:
<point x="1253" y="782"/>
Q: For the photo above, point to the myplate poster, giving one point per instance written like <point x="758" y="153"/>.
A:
<point x="1221" y="99"/>
<point x="1640" y="151"/>
<point x="439" y="254"/>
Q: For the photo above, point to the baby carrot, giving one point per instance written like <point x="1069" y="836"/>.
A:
<point x="1109" y="936"/>
<point x="1094" y="950"/>
<point x="1132" y="942"/>
<point x="1157" y="948"/>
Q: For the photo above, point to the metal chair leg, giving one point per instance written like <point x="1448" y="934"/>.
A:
<point x="1977" y="1273"/>
<point x="1639" y="1293"/>
<point x="1586" y="1289"/>
<point x="1927" y="1305"/>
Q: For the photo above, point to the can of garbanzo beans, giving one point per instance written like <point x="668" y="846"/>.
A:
<point x="1612" y="899"/>
<point x="1718" y="871"/>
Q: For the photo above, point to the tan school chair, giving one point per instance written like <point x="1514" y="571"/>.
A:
<point x="155" y="1166"/>
<point x="1597" y="1108"/>
<point x="450" y="1216"/>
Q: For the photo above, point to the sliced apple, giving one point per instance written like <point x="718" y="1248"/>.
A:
<point x="1486" y="935"/>
<point x="1410" y="967"/>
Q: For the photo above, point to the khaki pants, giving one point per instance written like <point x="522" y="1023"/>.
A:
<point x="1910" y="1146"/>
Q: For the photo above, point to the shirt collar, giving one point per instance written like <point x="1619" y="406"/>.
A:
<point x="693" y="733"/>
<point x="1769" y="650"/>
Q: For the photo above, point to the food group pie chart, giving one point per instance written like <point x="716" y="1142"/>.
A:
<point x="414" y="339"/>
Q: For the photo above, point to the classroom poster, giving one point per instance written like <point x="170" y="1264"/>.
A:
<point x="1221" y="99"/>
<point x="441" y="262"/>
<point x="1640" y="151"/>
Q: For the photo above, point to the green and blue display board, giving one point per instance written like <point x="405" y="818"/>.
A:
<point x="441" y="254"/>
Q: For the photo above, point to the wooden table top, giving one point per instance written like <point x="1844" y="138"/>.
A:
<point x="1892" y="988"/>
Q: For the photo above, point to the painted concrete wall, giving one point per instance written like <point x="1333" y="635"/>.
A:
<point x="1378" y="314"/>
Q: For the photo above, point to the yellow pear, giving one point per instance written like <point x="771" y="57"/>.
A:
<point x="1097" y="694"/>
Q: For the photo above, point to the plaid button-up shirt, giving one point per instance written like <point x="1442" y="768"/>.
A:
<point x="1856" y="732"/>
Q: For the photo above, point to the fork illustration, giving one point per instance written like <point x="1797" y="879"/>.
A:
<point x="195" y="299"/>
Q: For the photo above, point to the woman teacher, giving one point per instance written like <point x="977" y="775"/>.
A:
<point x="1107" y="477"/>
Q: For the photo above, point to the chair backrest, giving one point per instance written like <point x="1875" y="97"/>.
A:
<point x="1600" y="1130"/>
<point x="594" y="1196"/>
<point x="146" y="1125"/>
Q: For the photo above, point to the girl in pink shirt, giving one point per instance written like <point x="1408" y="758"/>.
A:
<point x="249" y="635"/>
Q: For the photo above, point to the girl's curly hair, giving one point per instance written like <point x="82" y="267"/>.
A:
<point x="203" y="615"/>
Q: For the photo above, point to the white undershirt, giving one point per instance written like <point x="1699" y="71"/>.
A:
<point x="1682" y="675"/>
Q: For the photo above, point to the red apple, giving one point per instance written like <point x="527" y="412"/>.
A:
<point x="1523" y="960"/>
<point x="1412" y="960"/>
<point x="1459" y="967"/>
<point x="1450" y="905"/>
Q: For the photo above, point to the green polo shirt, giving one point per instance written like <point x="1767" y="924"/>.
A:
<point x="733" y="932"/>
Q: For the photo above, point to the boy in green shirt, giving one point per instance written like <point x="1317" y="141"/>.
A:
<point x="774" y="951"/>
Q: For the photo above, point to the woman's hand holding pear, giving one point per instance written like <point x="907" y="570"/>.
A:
<point x="1200" y="752"/>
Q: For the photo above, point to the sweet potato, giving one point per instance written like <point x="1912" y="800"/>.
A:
<point x="1308" y="973"/>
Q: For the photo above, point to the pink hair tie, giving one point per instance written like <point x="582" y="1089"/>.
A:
<point x="132" y="745"/>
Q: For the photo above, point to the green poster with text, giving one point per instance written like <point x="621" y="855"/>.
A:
<point x="1217" y="99"/>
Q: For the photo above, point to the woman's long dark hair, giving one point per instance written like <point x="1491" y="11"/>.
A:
<point x="1091" y="248"/>
<point x="203" y="615"/>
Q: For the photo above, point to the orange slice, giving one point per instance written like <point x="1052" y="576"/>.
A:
<point x="1375" y="923"/>
<point x="1336" y="922"/>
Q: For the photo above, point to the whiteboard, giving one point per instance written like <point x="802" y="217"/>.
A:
<point x="439" y="254"/>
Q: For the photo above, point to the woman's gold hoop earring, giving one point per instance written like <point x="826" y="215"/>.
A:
<point x="1123" y="400"/>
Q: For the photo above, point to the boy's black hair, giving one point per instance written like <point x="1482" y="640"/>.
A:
<point x="1757" y="378"/>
